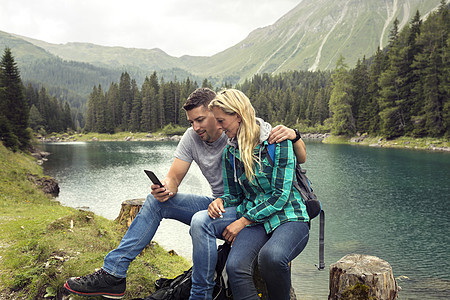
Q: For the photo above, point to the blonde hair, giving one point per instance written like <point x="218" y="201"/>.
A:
<point x="232" y="102"/>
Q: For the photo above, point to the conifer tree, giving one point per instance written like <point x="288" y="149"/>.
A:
<point x="393" y="34"/>
<point x="170" y="103"/>
<point x="136" y="109"/>
<point x="36" y="120"/>
<point x="370" y="119"/>
<point x="100" y="111"/>
<point x="340" y="101"/>
<point x="431" y="91"/>
<point x="91" y="112"/>
<point x="147" y="93"/>
<point x="67" y="117"/>
<point x="161" y="104"/>
<point x="13" y="106"/>
<point x="114" y="108"/>
<point x="126" y="98"/>
<point x="360" y="85"/>
<point x="393" y="98"/>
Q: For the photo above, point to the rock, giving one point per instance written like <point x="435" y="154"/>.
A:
<point x="175" y="138"/>
<point x="47" y="184"/>
<point x="358" y="139"/>
<point x="41" y="155"/>
<point x="320" y="136"/>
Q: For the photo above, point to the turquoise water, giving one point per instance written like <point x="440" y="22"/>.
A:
<point x="389" y="203"/>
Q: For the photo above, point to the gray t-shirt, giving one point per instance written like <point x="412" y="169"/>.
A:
<point x="208" y="157"/>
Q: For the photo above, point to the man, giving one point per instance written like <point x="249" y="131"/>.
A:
<point x="203" y="143"/>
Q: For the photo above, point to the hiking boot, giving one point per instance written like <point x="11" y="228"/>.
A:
<point x="99" y="283"/>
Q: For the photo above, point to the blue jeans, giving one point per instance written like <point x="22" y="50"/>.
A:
<point x="204" y="232"/>
<point x="181" y="207"/>
<point x="272" y="251"/>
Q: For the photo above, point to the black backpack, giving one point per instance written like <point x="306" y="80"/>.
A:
<point x="179" y="288"/>
<point x="313" y="205"/>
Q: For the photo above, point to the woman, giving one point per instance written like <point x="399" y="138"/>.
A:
<point x="261" y="213"/>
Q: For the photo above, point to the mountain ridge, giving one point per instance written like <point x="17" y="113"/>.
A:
<point x="308" y="37"/>
<point x="311" y="36"/>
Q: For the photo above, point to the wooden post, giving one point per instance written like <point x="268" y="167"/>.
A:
<point x="130" y="209"/>
<point x="357" y="276"/>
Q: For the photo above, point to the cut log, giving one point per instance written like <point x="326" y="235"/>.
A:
<point x="129" y="210"/>
<point x="357" y="276"/>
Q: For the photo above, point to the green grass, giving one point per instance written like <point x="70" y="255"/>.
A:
<point x="39" y="250"/>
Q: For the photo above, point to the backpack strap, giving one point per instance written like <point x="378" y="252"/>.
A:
<point x="321" y="265"/>
<point x="271" y="151"/>
<point x="232" y="160"/>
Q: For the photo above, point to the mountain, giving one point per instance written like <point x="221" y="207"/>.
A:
<point x="150" y="59"/>
<point x="77" y="67"/>
<point x="309" y="37"/>
<point x="313" y="35"/>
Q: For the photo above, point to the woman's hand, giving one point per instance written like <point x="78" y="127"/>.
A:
<point x="216" y="209"/>
<point x="232" y="230"/>
<point x="280" y="133"/>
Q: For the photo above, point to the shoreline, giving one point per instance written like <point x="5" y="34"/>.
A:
<point x="427" y="143"/>
<point x="424" y="144"/>
<point x="105" y="137"/>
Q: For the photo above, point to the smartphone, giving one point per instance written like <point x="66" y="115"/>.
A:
<point x="153" y="178"/>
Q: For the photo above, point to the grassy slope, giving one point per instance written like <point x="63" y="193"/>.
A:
<point x="39" y="250"/>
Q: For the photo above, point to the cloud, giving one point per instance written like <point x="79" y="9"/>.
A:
<point x="178" y="27"/>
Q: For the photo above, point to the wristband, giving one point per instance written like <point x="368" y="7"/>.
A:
<point x="297" y="136"/>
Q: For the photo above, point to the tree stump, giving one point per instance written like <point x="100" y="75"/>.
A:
<point x="357" y="276"/>
<point x="129" y="210"/>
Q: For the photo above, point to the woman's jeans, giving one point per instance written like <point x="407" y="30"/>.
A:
<point x="181" y="207"/>
<point x="273" y="252"/>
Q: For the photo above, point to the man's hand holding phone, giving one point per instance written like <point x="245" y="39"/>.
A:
<point x="159" y="190"/>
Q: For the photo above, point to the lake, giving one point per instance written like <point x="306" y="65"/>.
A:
<point x="390" y="203"/>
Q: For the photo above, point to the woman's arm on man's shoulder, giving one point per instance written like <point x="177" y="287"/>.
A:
<point x="280" y="133"/>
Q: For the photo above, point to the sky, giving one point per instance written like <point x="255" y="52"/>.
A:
<point x="178" y="27"/>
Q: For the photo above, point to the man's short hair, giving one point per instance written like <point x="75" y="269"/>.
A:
<point x="201" y="96"/>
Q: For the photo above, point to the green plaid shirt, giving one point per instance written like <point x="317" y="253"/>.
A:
<point x="270" y="199"/>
